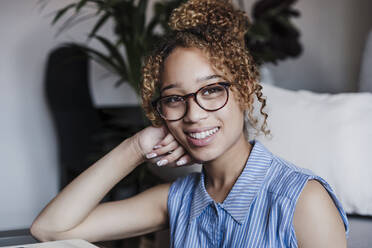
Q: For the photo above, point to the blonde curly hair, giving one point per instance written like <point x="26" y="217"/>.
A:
<point x="216" y="28"/>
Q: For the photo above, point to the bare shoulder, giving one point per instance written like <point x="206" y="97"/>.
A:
<point x="316" y="220"/>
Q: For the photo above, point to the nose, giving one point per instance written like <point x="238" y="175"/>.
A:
<point x="194" y="112"/>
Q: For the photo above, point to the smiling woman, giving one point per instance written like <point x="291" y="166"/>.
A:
<point x="196" y="88"/>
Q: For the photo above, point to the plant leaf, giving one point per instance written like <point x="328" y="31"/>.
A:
<point x="61" y="12"/>
<point x="152" y="24"/>
<point x="119" y="82"/>
<point x="80" y="5"/>
<point x="99" y="24"/>
<point x="141" y="16"/>
<point x="99" y="57"/>
<point x="111" y="48"/>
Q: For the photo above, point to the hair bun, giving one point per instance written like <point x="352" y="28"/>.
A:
<point x="210" y="18"/>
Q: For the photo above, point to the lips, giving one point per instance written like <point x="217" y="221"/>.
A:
<point x="203" y="134"/>
<point x="201" y="137"/>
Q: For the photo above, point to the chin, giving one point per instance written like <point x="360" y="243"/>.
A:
<point x="204" y="155"/>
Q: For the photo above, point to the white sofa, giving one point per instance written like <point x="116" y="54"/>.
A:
<point x="330" y="134"/>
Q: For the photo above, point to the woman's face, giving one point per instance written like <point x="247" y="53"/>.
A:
<point x="185" y="71"/>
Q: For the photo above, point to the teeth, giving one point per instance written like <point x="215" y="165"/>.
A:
<point x="204" y="134"/>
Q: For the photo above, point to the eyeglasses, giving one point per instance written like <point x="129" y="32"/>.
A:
<point x="211" y="97"/>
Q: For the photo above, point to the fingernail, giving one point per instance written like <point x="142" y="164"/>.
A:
<point x="151" y="155"/>
<point x="180" y="162"/>
<point x="162" y="162"/>
<point x="157" y="146"/>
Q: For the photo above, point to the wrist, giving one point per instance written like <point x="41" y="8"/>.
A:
<point x="136" y="149"/>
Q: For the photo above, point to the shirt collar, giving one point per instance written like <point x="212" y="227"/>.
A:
<point x="245" y="189"/>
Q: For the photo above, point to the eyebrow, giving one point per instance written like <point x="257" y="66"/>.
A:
<point x="199" y="80"/>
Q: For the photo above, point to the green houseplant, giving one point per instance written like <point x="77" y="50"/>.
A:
<point x="134" y="33"/>
<point x="272" y="36"/>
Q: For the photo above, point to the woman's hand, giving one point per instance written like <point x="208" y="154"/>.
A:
<point x="160" y="147"/>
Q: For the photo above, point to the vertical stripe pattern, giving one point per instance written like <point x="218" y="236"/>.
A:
<point x="257" y="212"/>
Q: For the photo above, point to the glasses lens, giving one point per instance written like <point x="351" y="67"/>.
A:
<point x="172" y="107"/>
<point x="212" y="97"/>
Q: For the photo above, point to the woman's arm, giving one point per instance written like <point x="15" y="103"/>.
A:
<point x="141" y="214"/>
<point x="316" y="220"/>
<point x="76" y="212"/>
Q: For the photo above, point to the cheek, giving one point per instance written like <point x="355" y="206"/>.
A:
<point x="234" y="117"/>
<point x="176" y="130"/>
<point x="235" y="106"/>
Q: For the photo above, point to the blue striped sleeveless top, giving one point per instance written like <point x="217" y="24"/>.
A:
<point x="257" y="212"/>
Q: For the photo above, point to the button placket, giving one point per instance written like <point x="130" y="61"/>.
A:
<point x="218" y="236"/>
<point x="216" y="225"/>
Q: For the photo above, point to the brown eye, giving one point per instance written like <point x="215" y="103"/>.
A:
<point x="212" y="91"/>
<point x="172" y="101"/>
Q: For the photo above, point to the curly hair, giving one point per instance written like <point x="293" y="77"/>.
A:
<point x="216" y="28"/>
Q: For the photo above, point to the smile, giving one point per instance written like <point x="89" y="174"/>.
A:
<point x="199" y="138"/>
<point x="204" y="134"/>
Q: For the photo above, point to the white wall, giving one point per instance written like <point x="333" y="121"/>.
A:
<point x="333" y="33"/>
<point x="333" y="36"/>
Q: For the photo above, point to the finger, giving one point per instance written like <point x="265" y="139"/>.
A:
<point x="171" y="158"/>
<point x="167" y="149"/>
<point x="166" y="141"/>
<point x="184" y="160"/>
<point x="164" y="150"/>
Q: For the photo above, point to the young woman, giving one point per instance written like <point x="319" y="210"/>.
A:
<point x="196" y="89"/>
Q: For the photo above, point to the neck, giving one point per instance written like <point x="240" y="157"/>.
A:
<point x="222" y="172"/>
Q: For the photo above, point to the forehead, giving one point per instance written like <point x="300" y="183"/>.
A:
<point x="187" y="68"/>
